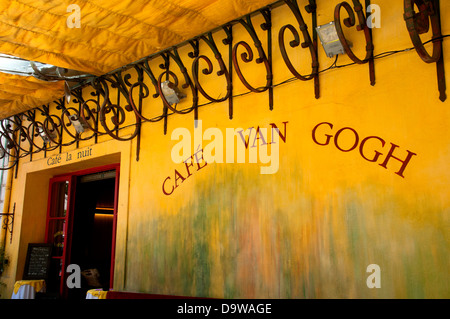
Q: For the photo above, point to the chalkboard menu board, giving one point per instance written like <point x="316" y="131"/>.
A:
<point x="38" y="261"/>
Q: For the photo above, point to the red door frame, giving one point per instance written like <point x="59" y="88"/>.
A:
<point x="67" y="221"/>
<point x="68" y="228"/>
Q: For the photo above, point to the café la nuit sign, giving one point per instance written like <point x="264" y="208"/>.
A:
<point x="67" y="157"/>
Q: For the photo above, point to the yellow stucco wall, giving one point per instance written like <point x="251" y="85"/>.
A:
<point x="311" y="229"/>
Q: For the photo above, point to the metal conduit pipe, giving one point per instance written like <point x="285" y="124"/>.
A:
<point x="6" y="206"/>
<point x="7" y="202"/>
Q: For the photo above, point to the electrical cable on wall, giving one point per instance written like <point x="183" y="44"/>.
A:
<point x="334" y="65"/>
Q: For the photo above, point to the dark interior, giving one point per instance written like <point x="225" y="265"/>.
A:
<point x="92" y="233"/>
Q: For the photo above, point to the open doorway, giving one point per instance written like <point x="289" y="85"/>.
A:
<point x="93" y="230"/>
<point x="81" y="226"/>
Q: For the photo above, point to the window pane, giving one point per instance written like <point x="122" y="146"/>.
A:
<point x="59" y="199"/>
<point x="56" y="236"/>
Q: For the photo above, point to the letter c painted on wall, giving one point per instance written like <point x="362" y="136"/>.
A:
<point x="164" y="191"/>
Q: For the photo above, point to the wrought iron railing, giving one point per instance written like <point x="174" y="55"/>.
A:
<point x="116" y="105"/>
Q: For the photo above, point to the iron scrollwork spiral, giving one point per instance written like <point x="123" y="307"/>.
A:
<point x="113" y="114"/>
<point x="419" y="23"/>
<point x="308" y="43"/>
<point x="46" y="133"/>
<point x="168" y="74"/>
<point x="223" y="71"/>
<point x="361" y="26"/>
<point x="8" y="147"/>
<point x="248" y="56"/>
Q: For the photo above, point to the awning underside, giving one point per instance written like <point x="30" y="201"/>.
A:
<point x="112" y="33"/>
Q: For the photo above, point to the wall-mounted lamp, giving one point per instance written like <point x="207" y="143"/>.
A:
<point x="330" y="39"/>
<point x="171" y="92"/>
<point x="45" y="137"/>
<point x="78" y="123"/>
